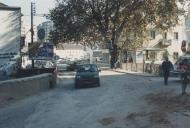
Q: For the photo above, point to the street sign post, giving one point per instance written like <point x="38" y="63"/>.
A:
<point x="45" y="52"/>
<point x="39" y="51"/>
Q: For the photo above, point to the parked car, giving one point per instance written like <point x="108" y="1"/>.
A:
<point x="72" y="66"/>
<point x="61" y="65"/>
<point x="87" y="75"/>
<point x="176" y="67"/>
<point x="43" y="64"/>
<point x="3" y="75"/>
<point x="49" y="64"/>
<point x="28" y="66"/>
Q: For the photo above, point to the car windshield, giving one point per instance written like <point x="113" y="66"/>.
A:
<point x="181" y="59"/>
<point x="61" y="62"/>
<point x="87" y="68"/>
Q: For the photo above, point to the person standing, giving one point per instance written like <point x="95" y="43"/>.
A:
<point x="184" y="75"/>
<point x="116" y="64"/>
<point x="166" y="67"/>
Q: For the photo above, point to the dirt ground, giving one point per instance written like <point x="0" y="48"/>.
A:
<point x="5" y="100"/>
<point x="164" y="103"/>
<point x="122" y="101"/>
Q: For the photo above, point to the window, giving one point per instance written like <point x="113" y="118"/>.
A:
<point x="152" y="55"/>
<point x="165" y="35"/>
<point x="152" y="34"/>
<point x="175" y="55"/>
<point x="176" y="35"/>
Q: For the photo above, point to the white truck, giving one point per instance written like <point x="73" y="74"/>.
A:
<point x="10" y="37"/>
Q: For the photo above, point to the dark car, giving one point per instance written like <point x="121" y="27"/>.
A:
<point x="87" y="75"/>
<point x="3" y="75"/>
<point x="177" y="68"/>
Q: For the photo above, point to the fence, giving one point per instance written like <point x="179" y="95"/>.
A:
<point x="140" y="67"/>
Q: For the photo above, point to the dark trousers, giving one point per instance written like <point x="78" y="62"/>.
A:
<point x="166" y="75"/>
<point x="184" y="83"/>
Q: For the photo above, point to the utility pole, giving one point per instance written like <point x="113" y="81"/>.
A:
<point x="33" y="11"/>
<point x="32" y="30"/>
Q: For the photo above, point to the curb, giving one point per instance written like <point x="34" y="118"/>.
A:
<point x="105" y="68"/>
<point x="145" y="75"/>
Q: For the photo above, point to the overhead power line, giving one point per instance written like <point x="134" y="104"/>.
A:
<point x="38" y="15"/>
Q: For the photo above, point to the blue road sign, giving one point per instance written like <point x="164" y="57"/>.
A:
<point x="41" y="34"/>
<point x="45" y="51"/>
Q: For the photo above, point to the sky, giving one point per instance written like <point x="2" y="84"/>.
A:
<point x="42" y="7"/>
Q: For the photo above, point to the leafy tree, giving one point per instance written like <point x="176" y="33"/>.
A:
<point x="112" y="22"/>
<point x="54" y="36"/>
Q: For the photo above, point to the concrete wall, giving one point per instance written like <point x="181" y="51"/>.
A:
<point x="19" y="88"/>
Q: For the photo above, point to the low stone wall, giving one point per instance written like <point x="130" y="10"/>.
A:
<point x="18" y="88"/>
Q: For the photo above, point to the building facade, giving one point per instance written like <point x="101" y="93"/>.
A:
<point x="10" y="38"/>
<point x="71" y="51"/>
<point x="162" y="43"/>
<point x="25" y="31"/>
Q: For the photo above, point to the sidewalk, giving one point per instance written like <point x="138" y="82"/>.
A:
<point x="134" y="73"/>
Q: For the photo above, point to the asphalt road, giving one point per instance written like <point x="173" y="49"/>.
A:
<point x="120" y="102"/>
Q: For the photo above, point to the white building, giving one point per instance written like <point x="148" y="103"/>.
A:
<point x="165" y="43"/>
<point x="71" y="51"/>
<point x="187" y="27"/>
<point x="162" y="43"/>
<point x="25" y="30"/>
<point x="10" y="37"/>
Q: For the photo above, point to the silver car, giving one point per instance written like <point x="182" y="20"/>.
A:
<point x="61" y="66"/>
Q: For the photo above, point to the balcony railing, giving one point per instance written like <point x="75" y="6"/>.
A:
<point x="166" y="42"/>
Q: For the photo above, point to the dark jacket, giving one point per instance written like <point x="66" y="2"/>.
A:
<point x="167" y="66"/>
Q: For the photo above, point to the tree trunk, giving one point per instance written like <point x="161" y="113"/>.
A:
<point x="114" y="51"/>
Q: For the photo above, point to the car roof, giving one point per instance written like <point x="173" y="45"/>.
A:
<point x="184" y="56"/>
<point x="87" y="64"/>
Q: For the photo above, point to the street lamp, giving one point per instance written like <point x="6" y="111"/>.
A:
<point x="33" y="12"/>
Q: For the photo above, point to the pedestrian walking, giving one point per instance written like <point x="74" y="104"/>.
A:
<point x="166" y="67"/>
<point x="184" y="75"/>
<point x="116" y="64"/>
<point x="112" y="63"/>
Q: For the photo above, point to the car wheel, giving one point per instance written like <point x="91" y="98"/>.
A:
<point x="98" y="85"/>
<point x="77" y="86"/>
